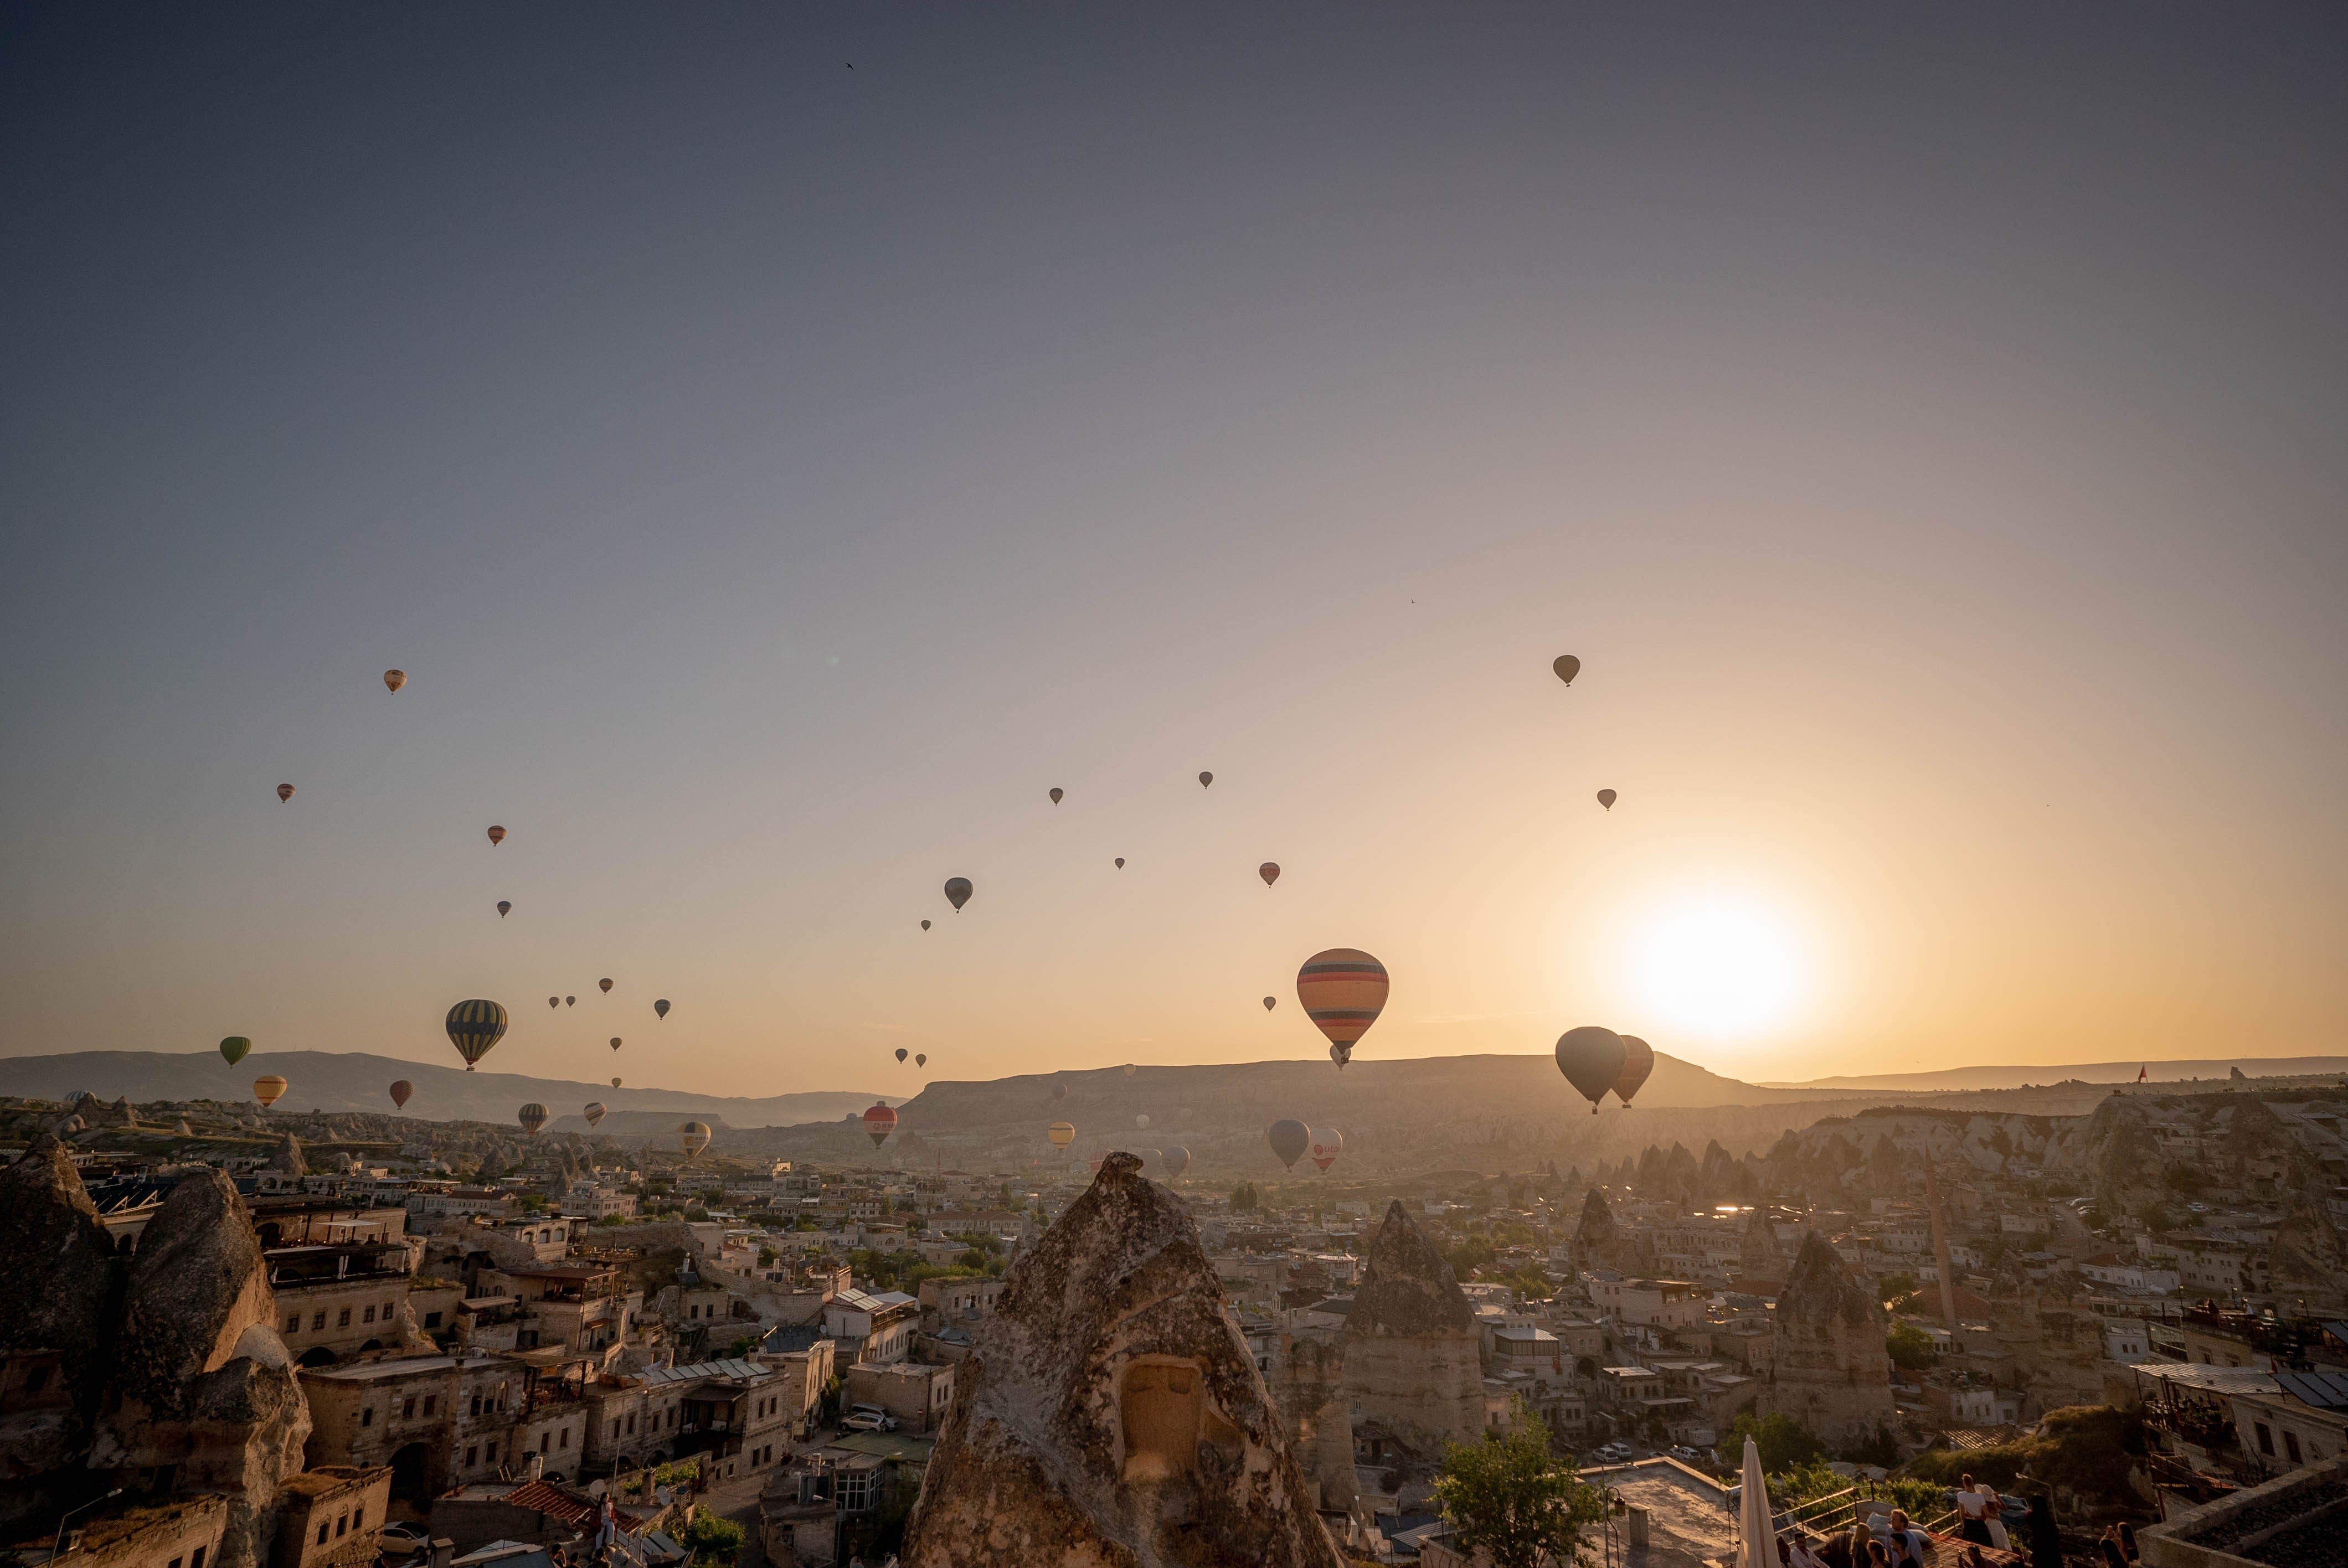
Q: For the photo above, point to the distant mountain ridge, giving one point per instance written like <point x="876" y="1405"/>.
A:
<point x="2172" y="1072"/>
<point x="360" y="1080"/>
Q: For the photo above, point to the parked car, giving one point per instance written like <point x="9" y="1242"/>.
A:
<point x="1685" y="1454"/>
<point x="397" y="1540"/>
<point x="1614" y="1453"/>
<point x="870" y="1418"/>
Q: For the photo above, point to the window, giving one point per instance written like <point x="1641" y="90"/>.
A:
<point x="615" y="1429"/>
<point x="631" y="1423"/>
<point x="545" y="1442"/>
<point x="176" y="1562"/>
<point x="562" y="1439"/>
<point x="292" y="1323"/>
<point x="358" y="1517"/>
<point x="368" y="1316"/>
<point x="198" y="1560"/>
<point x="472" y="1454"/>
<point x="367" y="1416"/>
<point x="342" y="1524"/>
<point x="2266" y="1438"/>
<point x="317" y="1320"/>
<point x="322" y="1533"/>
<point x="432" y="1320"/>
<point x="476" y="1404"/>
<point x="37" y="1379"/>
<point x="430" y="1401"/>
<point x="386" y="1311"/>
<point x="2291" y="1445"/>
<point x="493" y="1453"/>
<point x="407" y="1409"/>
<point x="344" y="1319"/>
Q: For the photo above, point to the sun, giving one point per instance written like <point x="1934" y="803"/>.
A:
<point x="1720" y="965"/>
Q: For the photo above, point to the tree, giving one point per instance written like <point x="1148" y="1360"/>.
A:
<point x="1506" y="1494"/>
<point x="1785" y="1442"/>
<point x="1911" y="1349"/>
<point x="712" y="1537"/>
<point x="1243" y="1198"/>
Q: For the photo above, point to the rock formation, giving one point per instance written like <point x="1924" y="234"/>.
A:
<point x="287" y="1161"/>
<point x="1833" y="1373"/>
<point x="1308" y="1384"/>
<point x="1110" y="1412"/>
<point x="1600" y="1244"/>
<point x="1414" y="1355"/>
<point x="1764" y="1258"/>
<point x="63" y="1295"/>
<point x="2309" y="1263"/>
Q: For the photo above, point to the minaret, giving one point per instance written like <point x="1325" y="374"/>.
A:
<point x="1940" y="1243"/>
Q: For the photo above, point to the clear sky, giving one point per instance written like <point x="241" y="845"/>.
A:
<point x="780" y="442"/>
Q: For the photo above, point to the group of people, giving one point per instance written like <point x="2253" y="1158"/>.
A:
<point x="1980" y="1522"/>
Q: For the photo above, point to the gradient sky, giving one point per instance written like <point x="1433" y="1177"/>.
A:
<point x="1925" y="423"/>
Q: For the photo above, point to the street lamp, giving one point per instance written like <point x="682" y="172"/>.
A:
<point x="68" y="1513"/>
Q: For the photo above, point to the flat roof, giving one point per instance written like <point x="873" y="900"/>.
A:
<point x="402" y="1365"/>
<point x="2211" y="1379"/>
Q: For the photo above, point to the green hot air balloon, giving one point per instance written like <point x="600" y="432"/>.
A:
<point x="474" y="1027"/>
<point x="1289" y="1139"/>
<point x="234" y="1048"/>
<point x="1591" y="1059"/>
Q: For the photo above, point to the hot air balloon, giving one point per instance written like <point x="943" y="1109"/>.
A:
<point x="1567" y="668"/>
<point x="616" y="1042"/>
<point x="79" y="1095"/>
<point x="925" y="925"/>
<point x="1151" y="1158"/>
<point x="1142" y="1120"/>
<point x="497" y="834"/>
<point x="660" y="1008"/>
<point x="395" y="679"/>
<point x="692" y="1137"/>
<point x="1342" y="990"/>
<point x="1327" y="1144"/>
<point x="269" y="1089"/>
<point x="284" y="792"/>
<point x="878" y="1122"/>
<point x="1177" y="1162"/>
<point x="474" y="1027"/>
<point x="532" y="1116"/>
<point x="902" y="1053"/>
<point x="400" y="1089"/>
<point x="1056" y="794"/>
<point x="1607" y="797"/>
<point x="616" y="1083"/>
<point x="554" y="1001"/>
<point x="1205" y="779"/>
<point x="1289" y="1139"/>
<point x="958" y="891"/>
<point x="571" y="1001"/>
<point x="604" y="985"/>
<point x="1062" y="1133"/>
<point x="234" y="1048"/>
<point x="1591" y="1059"/>
<point x="1120" y="862"/>
<point x="593" y="1112"/>
<point x="1638" y="1060"/>
<point x="1269" y="871"/>
<point x="1059" y="1092"/>
<point x="921" y="1060"/>
<point x="1131" y="1070"/>
<point x="1270" y="1003"/>
<point x="504" y="907"/>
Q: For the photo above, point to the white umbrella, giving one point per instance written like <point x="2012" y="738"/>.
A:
<point x="1760" y="1549"/>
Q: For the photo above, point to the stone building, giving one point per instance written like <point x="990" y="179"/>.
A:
<point x="1110" y="1410"/>
<point x="1833" y="1373"/>
<point x="1307" y="1380"/>
<point x="331" y="1518"/>
<point x="1412" y="1349"/>
<point x="437" y="1421"/>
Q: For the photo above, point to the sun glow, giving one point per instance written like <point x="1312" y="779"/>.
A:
<point x="1722" y="967"/>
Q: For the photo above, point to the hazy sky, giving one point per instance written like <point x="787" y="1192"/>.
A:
<point x="1925" y="423"/>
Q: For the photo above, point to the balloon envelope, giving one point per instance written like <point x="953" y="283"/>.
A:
<point x="958" y="891"/>
<point x="1567" y="667"/>
<point x="616" y="1042"/>
<point x="604" y="985"/>
<point x="554" y="1001"/>
<point x="616" y="1083"/>
<point x="1342" y="990"/>
<point x="1177" y="1162"/>
<point x="902" y="1053"/>
<point x="497" y="834"/>
<point x="1269" y="871"/>
<point x="269" y="1089"/>
<point x="395" y="679"/>
<point x="1638" y="1060"/>
<point x="1205" y="779"/>
<point x="1607" y="797"/>
<point x="1062" y="1133"/>
<point x="532" y="1116"/>
<point x="1142" y="1120"/>
<point x="474" y="1027"/>
<point x="400" y="1089"/>
<point x="1289" y="1139"/>
<point x="693" y="1138"/>
<point x="1056" y="794"/>
<point x="660" y="1008"/>
<point x="878" y="1122"/>
<point x="503" y="907"/>
<point x="1059" y="1092"/>
<point x="1120" y="862"/>
<point x="593" y="1112"/>
<point x="921" y="1060"/>
<point x="1591" y="1059"/>
<point x="1327" y="1144"/>
<point x="284" y="792"/>
<point x="571" y="1001"/>
<point x="1131" y="1070"/>
<point x="1270" y="1003"/>
<point x="233" y="1048"/>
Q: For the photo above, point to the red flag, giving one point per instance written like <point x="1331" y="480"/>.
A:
<point x="2142" y="1071"/>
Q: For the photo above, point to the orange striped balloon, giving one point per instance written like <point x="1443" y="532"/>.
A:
<point x="1342" y="990"/>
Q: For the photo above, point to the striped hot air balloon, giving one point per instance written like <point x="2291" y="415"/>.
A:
<point x="1062" y="1133"/>
<point x="532" y="1116"/>
<point x="1342" y="990"/>
<point x="269" y="1089"/>
<point x="474" y="1027"/>
<point x="878" y="1122"/>
<point x="593" y="1112"/>
<point x="693" y="1138"/>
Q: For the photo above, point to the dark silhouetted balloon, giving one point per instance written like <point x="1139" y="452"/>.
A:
<point x="284" y="792"/>
<point x="474" y="1027"/>
<point x="497" y="834"/>
<point x="1120" y="862"/>
<point x="693" y="1138"/>
<point x="234" y="1048"/>
<point x="1059" y="1092"/>
<point x="400" y="1089"/>
<point x="925" y="925"/>
<point x="1270" y="1003"/>
<point x="1056" y="794"/>
<point x="554" y="1001"/>
<point x="531" y="1117"/>
<point x="1607" y="797"/>
<point x="1638" y="1060"/>
<point x="394" y="680"/>
<point x="1062" y="1133"/>
<point x="1205" y="779"/>
<point x="958" y="891"/>
<point x="616" y="1042"/>
<point x="604" y="985"/>
<point x="1327" y="1144"/>
<point x="1289" y="1140"/>
<point x="616" y="1083"/>
<point x="878" y="1122"/>
<point x="571" y="1001"/>
<point x="1342" y="990"/>
<point x="1567" y="667"/>
<point x="504" y="907"/>
<point x="921" y="1060"/>
<point x="593" y="1112"/>
<point x="1269" y="871"/>
<point x="660" y="1008"/>
<point x="902" y="1053"/>
<point x="1173" y="1162"/>
<point x="1591" y="1059"/>
<point x="269" y="1089"/>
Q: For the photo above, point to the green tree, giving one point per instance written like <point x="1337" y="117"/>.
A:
<point x="2156" y="1218"/>
<point x="1911" y="1349"/>
<point x="1507" y="1494"/>
<point x="1895" y="1286"/>
<point x="1472" y="1254"/>
<point x="1785" y="1442"/>
<point x="712" y="1538"/>
<point x="1244" y="1198"/>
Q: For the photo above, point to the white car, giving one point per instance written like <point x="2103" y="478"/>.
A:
<point x="870" y="1418"/>
<point x="1614" y="1453"/>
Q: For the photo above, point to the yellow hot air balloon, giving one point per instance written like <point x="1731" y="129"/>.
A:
<point x="1062" y="1133"/>
<point x="269" y="1089"/>
<point x="395" y="679"/>
<point x="693" y="1138"/>
<point x="474" y="1027"/>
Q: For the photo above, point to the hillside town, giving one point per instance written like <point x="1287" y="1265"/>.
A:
<point x="540" y="1352"/>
